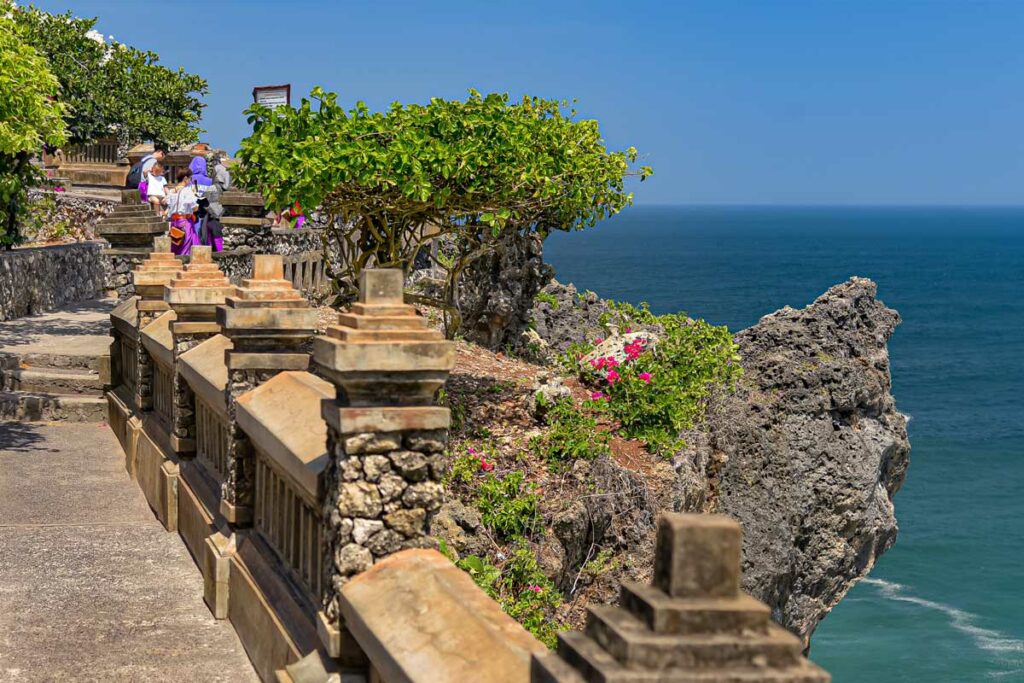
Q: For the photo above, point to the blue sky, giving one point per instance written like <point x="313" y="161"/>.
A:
<point x="782" y="102"/>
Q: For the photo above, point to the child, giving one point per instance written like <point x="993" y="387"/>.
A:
<point x="155" y="184"/>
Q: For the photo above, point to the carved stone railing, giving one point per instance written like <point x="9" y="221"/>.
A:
<point x="307" y="506"/>
<point x="307" y="272"/>
<point x="157" y="345"/>
<point x="289" y="486"/>
<point x="100" y="152"/>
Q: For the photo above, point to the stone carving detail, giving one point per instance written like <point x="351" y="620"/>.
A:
<point x="149" y="280"/>
<point x="693" y="623"/>
<point x="193" y="295"/>
<point x="384" y="435"/>
<point x="269" y="324"/>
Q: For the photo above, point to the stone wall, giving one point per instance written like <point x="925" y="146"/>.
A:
<point x="321" y="554"/>
<point x="40" y="279"/>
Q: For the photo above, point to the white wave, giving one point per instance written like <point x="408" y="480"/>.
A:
<point x="985" y="639"/>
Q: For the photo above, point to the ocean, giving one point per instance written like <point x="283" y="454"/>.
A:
<point x="946" y="604"/>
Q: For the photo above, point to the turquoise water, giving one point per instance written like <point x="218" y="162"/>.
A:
<point x="946" y="604"/>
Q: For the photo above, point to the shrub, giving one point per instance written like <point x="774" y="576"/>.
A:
<point x="659" y="392"/>
<point x="507" y="505"/>
<point x="572" y="434"/>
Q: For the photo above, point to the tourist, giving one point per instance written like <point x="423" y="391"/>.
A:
<point x="200" y="180"/>
<point x="181" y="208"/>
<point x="137" y="174"/>
<point x="155" y="188"/>
<point x="221" y="177"/>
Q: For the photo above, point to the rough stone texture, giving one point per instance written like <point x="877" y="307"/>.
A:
<point x="497" y="291"/>
<point x="561" y="318"/>
<point x="40" y="279"/>
<point x="68" y="213"/>
<point x="807" y="454"/>
<point x="378" y="509"/>
<point x="85" y="565"/>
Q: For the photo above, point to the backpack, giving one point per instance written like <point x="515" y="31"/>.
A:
<point x="135" y="174"/>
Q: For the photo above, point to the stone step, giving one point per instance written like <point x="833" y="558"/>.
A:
<point x="130" y="210"/>
<point x="243" y="222"/>
<point x="593" y="664"/>
<point x="550" y="668"/>
<point x="59" y="361"/>
<point x="629" y="641"/>
<point x="38" y="407"/>
<point x="665" y="614"/>
<point x="68" y="381"/>
<point x="139" y="219"/>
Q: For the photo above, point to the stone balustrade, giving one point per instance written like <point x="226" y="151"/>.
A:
<point x="302" y="473"/>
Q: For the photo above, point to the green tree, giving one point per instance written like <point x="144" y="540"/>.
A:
<point x="111" y="88"/>
<point x="464" y="173"/>
<point x="30" y="117"/>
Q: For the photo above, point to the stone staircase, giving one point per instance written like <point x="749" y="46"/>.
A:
<point x="54" y="367"/>
<point x="132" y="225"/>
<point x="693" y="625"/>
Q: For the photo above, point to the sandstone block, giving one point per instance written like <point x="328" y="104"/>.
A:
<point x="412" y="465"/>
<point x="353" y="559"/>
<point x="427" y="495"/>
<point x="359" y="499"/>
<point x="363" y="529"/>
<point x="409" y="523"/>
<point x="372" y="442"/>
<point x="698" y="556"/>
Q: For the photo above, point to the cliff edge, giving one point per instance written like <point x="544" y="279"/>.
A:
<point x="807" y="453"/>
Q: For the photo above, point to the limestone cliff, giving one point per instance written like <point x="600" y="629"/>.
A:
<point x="807" y="453"/>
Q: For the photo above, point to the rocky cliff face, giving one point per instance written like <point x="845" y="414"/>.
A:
<point x="808" y="452"/>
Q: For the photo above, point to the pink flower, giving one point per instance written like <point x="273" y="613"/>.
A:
<point x="598" y="341"/>
<point x="597" y="363"/>
<point x="612" y="377"/>
<point x="486" y="466"/>
<point x="596" y="395"/>
<point x="628" y="330"/>
<point x="645" y="377"/>
<point x="470" y="450"/>
<point x="610" y="362"/>
<point x="534" y="588"/>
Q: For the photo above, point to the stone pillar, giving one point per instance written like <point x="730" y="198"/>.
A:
<point x="193" y="295"/>
<point x="270" y="325"/>
<point x="385" y="436"/>
<point x="692" y="623"/>
<point x="149" y="280"/>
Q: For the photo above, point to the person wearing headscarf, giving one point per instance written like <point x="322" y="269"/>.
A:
<point x="199" y="176"/>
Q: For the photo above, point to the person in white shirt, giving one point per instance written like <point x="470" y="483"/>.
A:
<point x="155" y="188"/>
<point x="181" y="208"/>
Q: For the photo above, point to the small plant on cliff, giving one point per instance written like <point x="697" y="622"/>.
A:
<point x="508" y="505"/>
<point x="660" y="390"/>
<point x="462" y="174"/>
<point x="572" y="434"/>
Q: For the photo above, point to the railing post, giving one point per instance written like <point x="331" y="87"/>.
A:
<point x="193" y="295"/>
<point x="385" y="436"/>
<point x="269" y="324"/>
<point x="692" y="623"/>
<point x="150" y="279"/>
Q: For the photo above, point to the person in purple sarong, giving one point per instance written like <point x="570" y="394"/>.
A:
<point x="181" y="209"/>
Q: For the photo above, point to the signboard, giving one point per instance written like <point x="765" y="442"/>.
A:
<point x="273" y="96"/>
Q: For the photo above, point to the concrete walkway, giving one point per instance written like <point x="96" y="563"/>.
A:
<point x="91" y="586"/>
<point x="78" y="329"/>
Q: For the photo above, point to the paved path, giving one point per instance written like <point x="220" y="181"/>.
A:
<point x="91" y="586"/>
<point x="79" y="329"/>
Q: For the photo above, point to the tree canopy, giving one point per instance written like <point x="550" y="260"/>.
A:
<point x="30" y="117"/>
<point x="111" y="88"/>
<point x="462" y="172"/>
